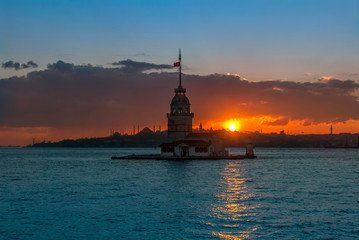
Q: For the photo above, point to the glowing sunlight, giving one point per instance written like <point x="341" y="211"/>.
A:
<point x="232" y="125"/>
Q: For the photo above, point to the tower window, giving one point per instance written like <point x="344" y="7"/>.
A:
<point x="180" y="110"/>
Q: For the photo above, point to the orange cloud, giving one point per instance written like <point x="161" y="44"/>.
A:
<point x="326" y="78"/>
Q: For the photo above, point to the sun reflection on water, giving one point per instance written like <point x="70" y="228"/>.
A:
<point x="233" y="211"/>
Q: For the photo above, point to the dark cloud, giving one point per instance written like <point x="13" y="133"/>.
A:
<point x="280" y="121"/>
<point x="18" y="66"/>
<point x="61" y="66"/>
<point x="130" y="66"/>
<point x="70" y="96"/>
<point x="29" y="64"/>
<point x="11" y="64"/>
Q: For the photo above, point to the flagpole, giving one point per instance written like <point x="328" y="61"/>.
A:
<point x="180" y="66"/>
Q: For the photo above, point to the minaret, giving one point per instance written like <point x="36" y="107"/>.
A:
<point x="180" y="116"/>
<point x="331" y="129"/>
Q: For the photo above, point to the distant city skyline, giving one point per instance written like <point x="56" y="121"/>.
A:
<point x="73" y="69"/>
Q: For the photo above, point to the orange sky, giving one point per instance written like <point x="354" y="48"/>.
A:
<point x="69" y="101"/>
<point x="24" y="136"/>
<point x="293" y="127"/>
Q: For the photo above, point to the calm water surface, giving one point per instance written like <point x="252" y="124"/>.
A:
<point x="81" y="193"/>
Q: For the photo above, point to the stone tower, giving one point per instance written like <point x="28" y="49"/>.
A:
<point x="180" y="116"/>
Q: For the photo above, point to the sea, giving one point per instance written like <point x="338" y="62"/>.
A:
<point x="80" y="193"/>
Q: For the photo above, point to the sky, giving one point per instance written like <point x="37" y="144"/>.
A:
<point x="297" y="61"/>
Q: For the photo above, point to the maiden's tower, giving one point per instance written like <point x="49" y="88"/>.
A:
<point x="182" y="142"/>
<point x="180" y="116"/>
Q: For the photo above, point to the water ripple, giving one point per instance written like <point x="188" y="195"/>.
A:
<point x="81" y="193"/>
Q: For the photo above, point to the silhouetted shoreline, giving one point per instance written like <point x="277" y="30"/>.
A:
<point x="148" y="138"/>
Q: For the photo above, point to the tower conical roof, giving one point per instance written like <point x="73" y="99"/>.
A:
<point x="180" y="99"/>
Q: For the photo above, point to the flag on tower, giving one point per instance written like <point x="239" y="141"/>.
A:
<point x="177" y="64"/>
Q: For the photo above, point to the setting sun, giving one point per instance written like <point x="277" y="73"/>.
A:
<point x="232" y="127"/>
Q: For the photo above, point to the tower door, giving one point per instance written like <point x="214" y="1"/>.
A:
<point x="184" y="152"/>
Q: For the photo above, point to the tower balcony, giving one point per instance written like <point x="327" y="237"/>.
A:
<point x="180" y="115"/>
